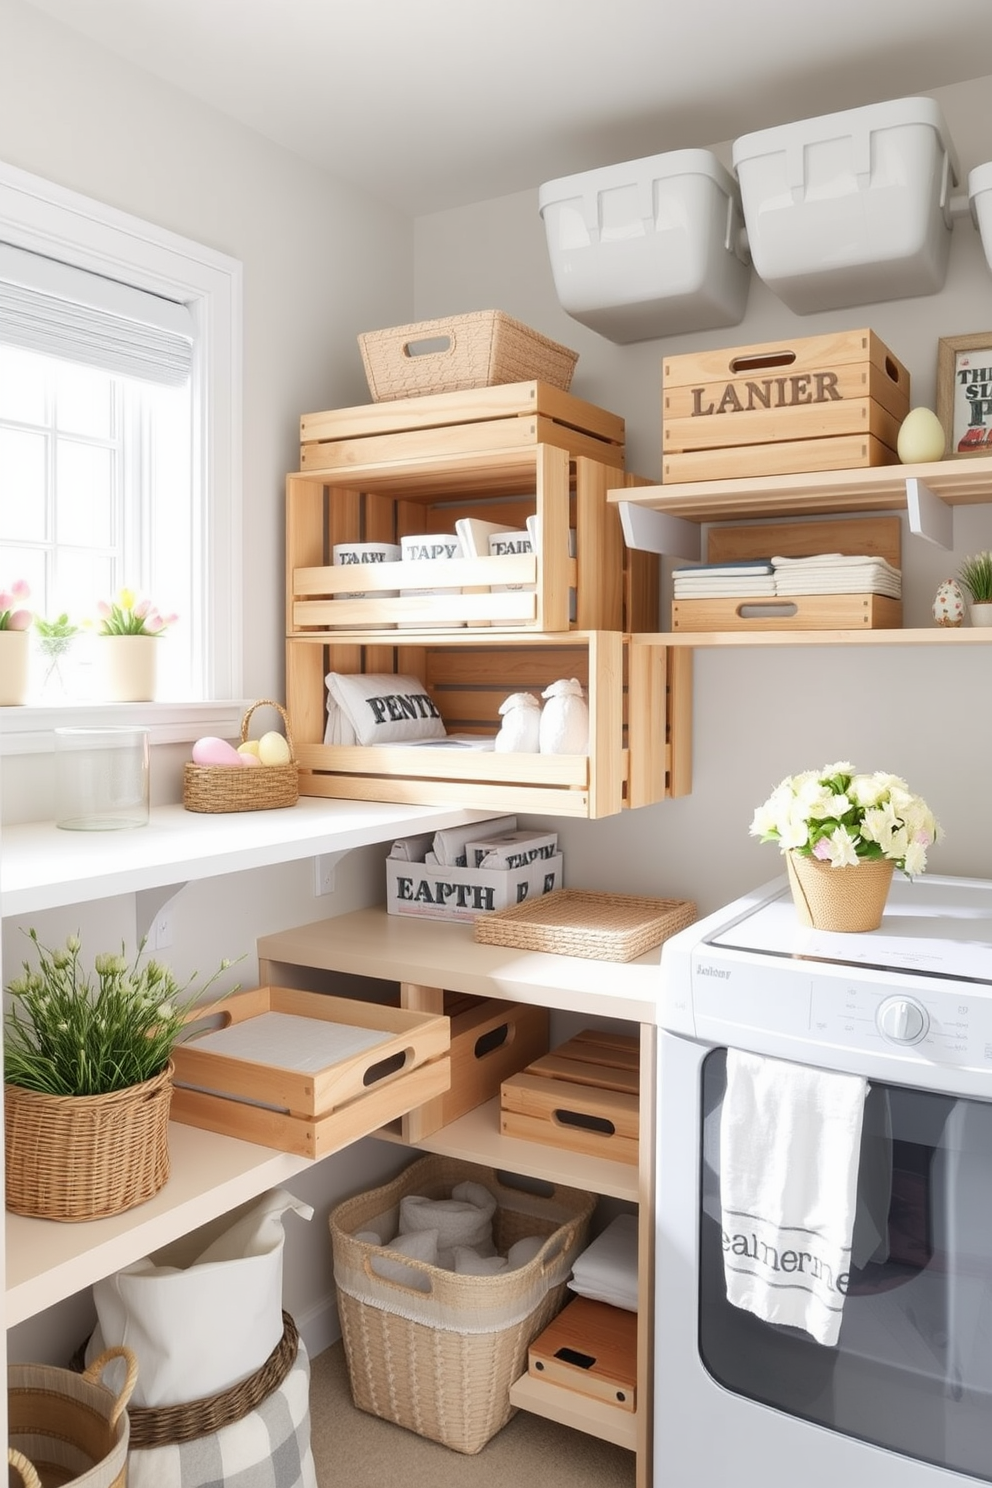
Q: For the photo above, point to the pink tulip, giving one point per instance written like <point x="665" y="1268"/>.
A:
<point x="142" y="608"/>
<point x="19" y="620"/>
<point x="103" y="609"/>
<point x="20" y="589"/>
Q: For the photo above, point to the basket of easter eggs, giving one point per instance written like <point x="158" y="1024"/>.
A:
<point x="258" y="774"/>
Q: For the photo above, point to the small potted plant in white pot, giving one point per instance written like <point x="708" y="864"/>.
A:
<point x="976" y="576"/>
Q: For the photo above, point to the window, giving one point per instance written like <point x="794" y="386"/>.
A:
<point x="107" y="477"/>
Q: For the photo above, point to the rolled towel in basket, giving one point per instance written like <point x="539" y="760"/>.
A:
<point x="466" y="1219"/>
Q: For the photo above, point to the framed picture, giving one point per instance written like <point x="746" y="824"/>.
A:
<point x="964" y="393"/>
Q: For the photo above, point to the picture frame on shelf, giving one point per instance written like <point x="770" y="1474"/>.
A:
<point x="964" y="393"/>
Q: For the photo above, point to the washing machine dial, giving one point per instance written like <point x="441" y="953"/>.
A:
<point x="903" y="1020"/>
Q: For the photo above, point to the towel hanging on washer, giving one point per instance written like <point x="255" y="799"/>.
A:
<point x="790" y="1139"/>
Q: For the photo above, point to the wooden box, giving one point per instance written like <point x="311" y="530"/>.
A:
<point x="304" y="1072"/>
<point x="591" y="582"/>
<point x="583" y="1096"/>
<point x="590" y="1347"/>
<point x="830" y="402"/>
<point x="469" y="675"/>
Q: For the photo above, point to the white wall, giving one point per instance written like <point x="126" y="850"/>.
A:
<point x="763" y="714"/>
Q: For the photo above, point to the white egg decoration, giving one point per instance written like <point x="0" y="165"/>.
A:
<point x="921" y="438"/>
<point x="948" y="605"/>
<point x="273" y="749"/>
<point x="212" y="751"/>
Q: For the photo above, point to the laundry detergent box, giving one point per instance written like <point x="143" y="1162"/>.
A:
<point x="512" y="849"/>
<point x="439" y="892"/>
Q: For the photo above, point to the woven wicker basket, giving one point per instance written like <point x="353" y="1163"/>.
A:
<point x="848" y="899"/>
<point x="482" y="349"/>
<point x="220" y="788"/>
<point x="439" y="1356"/>
<point x="581" y="922"/>
<point x="80" y="1157"/>
<point x="71" y="1428"/>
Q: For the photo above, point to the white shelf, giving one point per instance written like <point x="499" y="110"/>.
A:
<point x="42" y="867"/>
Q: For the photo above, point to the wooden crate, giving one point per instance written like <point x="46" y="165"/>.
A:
<point x="290" y="1104"/>
<point x="590" y="1347"/>
<point x="826" y="402"/>
<point x="583" y="1096"/>
<point x="469" y="675"/>
<point x="605" y="586"/>
<point x="460" y="423"/>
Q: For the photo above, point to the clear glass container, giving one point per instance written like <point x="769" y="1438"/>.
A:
<point x="101" y="778"/>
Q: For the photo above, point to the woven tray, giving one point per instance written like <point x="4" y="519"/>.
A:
<point x="581" y="922"/>
<point x="483" y="349"/>
<point x="220" y="788"/>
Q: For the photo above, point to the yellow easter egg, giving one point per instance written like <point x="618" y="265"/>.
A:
<point x="921" y="438"/>
<point x="250" y="746"/>
<point x="273" y="749"/>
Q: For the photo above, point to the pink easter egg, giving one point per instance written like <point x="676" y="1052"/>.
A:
<point x="212" y="751"/>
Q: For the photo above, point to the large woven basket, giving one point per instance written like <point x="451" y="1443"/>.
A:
<point x="439" y="1356"/>
<point x="81" y="1157"/>
<point x="482" y="349"/>
<point x="220" y="788"/>
<point x="586" y="923"/>
<point x="70" y="1428"/>
<point x="850" y="899"/>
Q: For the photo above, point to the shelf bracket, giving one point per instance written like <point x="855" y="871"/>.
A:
<point x="659" y="532"/>
<point x="148" y="904"/>
<point x="929" y="516"/>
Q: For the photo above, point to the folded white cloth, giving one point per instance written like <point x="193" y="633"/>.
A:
<point x="790" y="1139"/>
<point x="606" y="1270"/>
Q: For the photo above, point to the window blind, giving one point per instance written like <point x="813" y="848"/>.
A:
<point x="60" y="310"/>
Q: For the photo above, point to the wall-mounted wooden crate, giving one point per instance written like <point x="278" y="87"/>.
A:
<point x="605" y="586"/>
<point x="634" y="759"/>
<point x="827" y="402"/>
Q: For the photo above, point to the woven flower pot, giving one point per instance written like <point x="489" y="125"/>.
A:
<point x="829" y="898"/>
<point x="79" y="1157"/>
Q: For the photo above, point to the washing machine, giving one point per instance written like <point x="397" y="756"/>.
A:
<point x="903" y="1398"/>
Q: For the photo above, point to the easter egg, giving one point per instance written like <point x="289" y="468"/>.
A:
<point x="948" y="605"/>
<point x="921" y="438"/>
<point x="212" y="751"/>
<point x="273" y="749"/>
<point x="251" y="760"/>
<point x="249" y="747"/>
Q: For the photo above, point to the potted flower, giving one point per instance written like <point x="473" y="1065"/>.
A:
<point x="831" y="820"/>
<point x="54" y="640"/>
<point x="976" y="576"/>
<point x="129" y="627"/>
<point x="15" y="622"/>
<point x="88" y="1080"/>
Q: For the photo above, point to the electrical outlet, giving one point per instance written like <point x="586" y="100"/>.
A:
<point x="323" y="874"/>
<point x="162" y="930"/>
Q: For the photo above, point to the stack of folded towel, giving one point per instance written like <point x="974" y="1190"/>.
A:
<point x="824" y="573"/>
<point x="606" y="1270"/>
<point x="455" y="1234"/>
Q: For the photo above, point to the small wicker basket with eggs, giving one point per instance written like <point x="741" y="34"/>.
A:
<point x="256" y="775"/>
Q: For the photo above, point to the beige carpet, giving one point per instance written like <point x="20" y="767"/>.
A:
<point x="355" y="1450"/>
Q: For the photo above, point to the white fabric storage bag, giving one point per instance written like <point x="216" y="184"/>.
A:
<point x="204" y="1313"/>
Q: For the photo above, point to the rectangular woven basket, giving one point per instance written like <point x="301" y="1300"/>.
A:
<point x="439" y="1355"/>
<point x="482" y="349"/>
<point x="219" y="788"/>
<point x="583" y="922"/>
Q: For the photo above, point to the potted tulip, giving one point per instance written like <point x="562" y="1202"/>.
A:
<point x="15" y="622"/>
<point x="129" y="630"/>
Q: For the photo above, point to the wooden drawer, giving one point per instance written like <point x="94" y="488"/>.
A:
<point x="584" y="1096"/>
<point x="591" y="1348"/>
<point x="320" y="1091"/>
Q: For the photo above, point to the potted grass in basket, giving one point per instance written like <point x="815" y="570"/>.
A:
<point x="88" y="1080"/>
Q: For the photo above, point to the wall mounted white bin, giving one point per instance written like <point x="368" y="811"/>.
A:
<point x="980" y="197"/>
<point x="850" y="208"/>
<point x="650" y="248"/>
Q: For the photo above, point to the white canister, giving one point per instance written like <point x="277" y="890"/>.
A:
<point x="431" y="547"/>
<point x="363" y="554"/>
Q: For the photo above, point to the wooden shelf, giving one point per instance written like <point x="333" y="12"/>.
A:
<point x="936" y="636"/>
<point x="581" y="1412"/>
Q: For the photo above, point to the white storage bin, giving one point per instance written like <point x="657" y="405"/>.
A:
<point x="980" y="197"/>
<point x="650" y="248"/>
<point x="850" y="208"/>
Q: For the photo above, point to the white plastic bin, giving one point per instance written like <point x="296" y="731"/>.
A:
<point x="850" y="208"/>
<point x="650" y="248"/>
<point x="980" y="198"/>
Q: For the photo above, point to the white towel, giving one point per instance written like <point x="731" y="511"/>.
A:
<point x="790" y="1139"/>
<point x="606" y="1270"/>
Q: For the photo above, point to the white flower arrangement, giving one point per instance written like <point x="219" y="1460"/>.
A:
<point x="843" y="819"/>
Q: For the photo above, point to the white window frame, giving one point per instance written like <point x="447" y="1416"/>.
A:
<point x="43" y="217"/>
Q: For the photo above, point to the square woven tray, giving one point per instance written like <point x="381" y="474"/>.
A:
<point x="581" y="922"/>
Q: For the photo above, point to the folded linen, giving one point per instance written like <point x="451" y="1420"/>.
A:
<point x="790" y="1140"/>
<point x="606" y="1271"/>
<point x="450" y="842"/>
<point x="466" y="1219"/>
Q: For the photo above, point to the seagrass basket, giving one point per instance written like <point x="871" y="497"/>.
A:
<point x="584" y="922"/>
<point x="81" y="1157"/>
<point x="70" y="1429"/>
<point x="221" y="788"/>
<point x="482" y="349"/>
<point x="850" y="899"/>
<point x="439" y="1355"/>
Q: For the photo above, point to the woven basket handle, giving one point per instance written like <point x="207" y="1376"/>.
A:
<point x="95" y="1370"/>
<point x="17" y="1460"/>
<point x="268" y="703"/>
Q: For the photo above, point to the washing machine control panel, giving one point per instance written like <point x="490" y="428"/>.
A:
<point x="902" y="1020"/>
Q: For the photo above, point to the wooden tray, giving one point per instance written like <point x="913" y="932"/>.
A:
<point x="591" y="1348"/>
<point x="297" y="1095"/>
<point x="583" y="922"/>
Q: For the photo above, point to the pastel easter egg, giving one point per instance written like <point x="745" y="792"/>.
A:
<point x="251" y="761"/>
<point x="921" y="438"/>
<point x="948" y="605"/>
<point x="213" y="751"/>
<point x="249" y="747"/>
<point x="273" y="749"/>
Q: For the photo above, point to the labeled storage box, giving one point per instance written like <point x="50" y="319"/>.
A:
<point x="830" y="402"/>
<point x="438" y="1354"/>
<point x="590" y="1347"/>
<point x="649" y="248"/>
<point x="481" y="349"/>
<point x="307" y="1073"/>
<point x="583" y="1096"/>
<point x="850" y="208"/>
<point x="434" y="892"/>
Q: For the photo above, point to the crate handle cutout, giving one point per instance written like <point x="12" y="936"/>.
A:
<point x="488" y="1043"/>
<point x="586" y="1121"/>
<point x="429" y="346"/>
<point x="386" y="1067"/>
<point x="572" y="1356"/>
<point x="760" y="363"/>
<point x="783" y="611"/>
